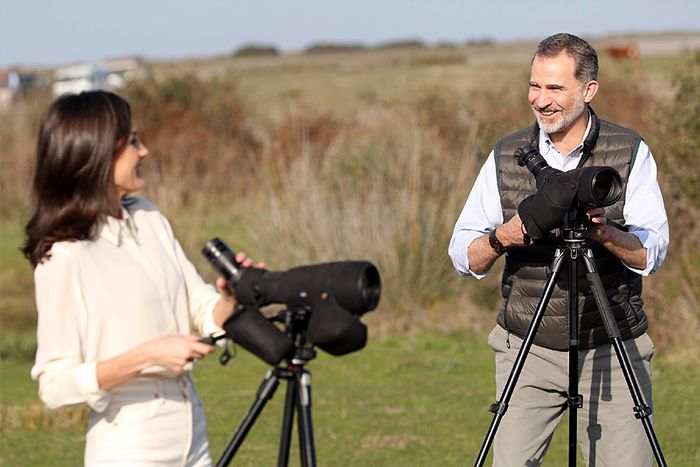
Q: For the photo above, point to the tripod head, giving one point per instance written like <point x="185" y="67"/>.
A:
<point x="575" y="228"/>
<point x="295" y="321"/>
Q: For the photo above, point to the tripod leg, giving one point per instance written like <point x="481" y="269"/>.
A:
<point x="501" y="406"/>
<point x="574" y="399"/>
<point x="302" y="380"/>
<point x="642" y="411"/>
<point x="288" y="418"/>
<point x="265" y="392"/>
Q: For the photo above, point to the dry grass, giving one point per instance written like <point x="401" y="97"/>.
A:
<point x="371" y="155"/>
<point x="36" y="417"/>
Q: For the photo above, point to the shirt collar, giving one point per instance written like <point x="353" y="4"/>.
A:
<point x="546" y="143"/>
<point x="116" y="230"/>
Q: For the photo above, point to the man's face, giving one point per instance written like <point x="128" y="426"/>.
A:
<point x="556" y="96"/>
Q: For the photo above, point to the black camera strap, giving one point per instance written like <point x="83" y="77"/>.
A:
<point x="591" y="140"/>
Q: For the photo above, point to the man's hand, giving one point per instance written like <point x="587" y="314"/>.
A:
<point x="512" y="233"/>
<point x="481" y="255"/>
<point x="599" y="225"/>
<point x="624" y="245"/>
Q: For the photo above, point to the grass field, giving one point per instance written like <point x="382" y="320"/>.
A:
<point x="413" y="400"/>
<point x="307" y="158"/>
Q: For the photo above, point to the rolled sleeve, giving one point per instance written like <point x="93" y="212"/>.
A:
<point x="86" y="379"/>
<point x="459" y="245"/>
<point x="65" y="383"/>
<point x="481" y="214"/>
<point x="64" y="377"/>
<point x="645" y="213"/>
<point x="656" y="246"/>
<point x="203" y="301"/>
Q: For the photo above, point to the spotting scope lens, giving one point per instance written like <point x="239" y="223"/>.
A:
<point x="606" y="187"/>
<point x="371" y="287"/>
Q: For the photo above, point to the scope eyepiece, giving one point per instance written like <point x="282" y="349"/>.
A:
<point x="223" y="260"/>
<point x="531" y="158"/>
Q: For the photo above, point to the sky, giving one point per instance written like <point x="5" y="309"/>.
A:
<point x="53" y="32"/>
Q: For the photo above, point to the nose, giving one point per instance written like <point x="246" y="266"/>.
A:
<point x="143" y="150"/>
<point x="541" y="99"/>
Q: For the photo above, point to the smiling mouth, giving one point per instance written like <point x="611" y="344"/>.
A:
<point x="547" y="113"/>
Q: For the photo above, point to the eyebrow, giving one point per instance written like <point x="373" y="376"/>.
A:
<point x="548" y="86"/>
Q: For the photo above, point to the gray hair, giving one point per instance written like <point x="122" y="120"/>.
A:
<point x="581" y="51"/>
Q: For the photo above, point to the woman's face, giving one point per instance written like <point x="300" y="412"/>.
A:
<point x="127" y="168"/>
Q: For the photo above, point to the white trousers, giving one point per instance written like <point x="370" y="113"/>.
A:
<point x="149" y="422"/>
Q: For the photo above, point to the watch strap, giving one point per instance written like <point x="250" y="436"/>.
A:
<point x="496" y="244"/>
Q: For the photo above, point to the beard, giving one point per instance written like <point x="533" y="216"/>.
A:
<point x="564" y="117"/>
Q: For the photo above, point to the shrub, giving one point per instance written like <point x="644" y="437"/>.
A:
<point x="199" y="134"/>
<point x="333" y="47"/>
<point x="256" y="50"/>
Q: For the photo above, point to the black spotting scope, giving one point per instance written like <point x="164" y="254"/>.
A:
<point x="560" y="192"/>
<point x="335" y="294"/>
<point x="355" y="285"/>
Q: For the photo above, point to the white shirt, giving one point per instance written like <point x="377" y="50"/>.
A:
<point x="97" y="299"/>
<point x="644" y="211"/>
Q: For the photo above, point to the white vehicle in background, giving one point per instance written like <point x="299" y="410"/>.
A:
<point x="82" y="77"/>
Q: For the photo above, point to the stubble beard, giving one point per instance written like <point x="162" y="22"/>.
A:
<point x="566" y="117"/>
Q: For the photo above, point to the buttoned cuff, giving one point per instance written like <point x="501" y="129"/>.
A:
<point x="86" y="380"/>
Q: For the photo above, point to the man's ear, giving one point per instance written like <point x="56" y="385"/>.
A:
<point x="589" y="91"/>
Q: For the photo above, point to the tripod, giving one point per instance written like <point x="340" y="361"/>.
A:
<point x="297" y="398"/>
<point x="573" y="251"/>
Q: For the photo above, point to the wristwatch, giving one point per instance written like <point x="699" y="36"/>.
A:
<point x="527" y="240"/>
<point x="496" y="244"/>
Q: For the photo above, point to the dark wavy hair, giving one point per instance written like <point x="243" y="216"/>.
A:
<point x="73" y="189"/>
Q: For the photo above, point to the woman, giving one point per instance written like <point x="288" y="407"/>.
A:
<point x="117" y="298"/>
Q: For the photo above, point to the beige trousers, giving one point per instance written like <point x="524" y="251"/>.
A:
<point x="149" y="422"/>
<point x="607" y="431"/>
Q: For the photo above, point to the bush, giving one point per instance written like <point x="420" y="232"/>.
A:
<point x="332" y="47"/>
<point x="677" y="299"/>
<point x="384" y="182"/>
<point x="255" y="50"/>
<point x="199" y="134"/>
<point x="402" y="44"/>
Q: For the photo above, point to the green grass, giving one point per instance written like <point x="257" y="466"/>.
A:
<point x="16" y="282"/>
<point x="407" y="399"/>
<point x="415" y="400"/>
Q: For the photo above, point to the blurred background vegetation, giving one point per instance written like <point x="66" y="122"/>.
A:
<point x="365" y="154"/>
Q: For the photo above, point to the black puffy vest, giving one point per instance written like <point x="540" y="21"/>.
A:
<point x="526" y="268"/>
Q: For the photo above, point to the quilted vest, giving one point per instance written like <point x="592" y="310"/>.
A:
<point x="526" y="268"/>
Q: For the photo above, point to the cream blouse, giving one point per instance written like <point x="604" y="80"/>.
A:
<point x="99" y="298"/>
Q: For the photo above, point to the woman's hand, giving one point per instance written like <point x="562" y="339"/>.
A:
<point x="174" y="352"/>
<point x="226" y="305"/>
<point x="171" y="352"/>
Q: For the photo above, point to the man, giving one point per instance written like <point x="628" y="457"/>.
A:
<point x="563" y="82"/>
